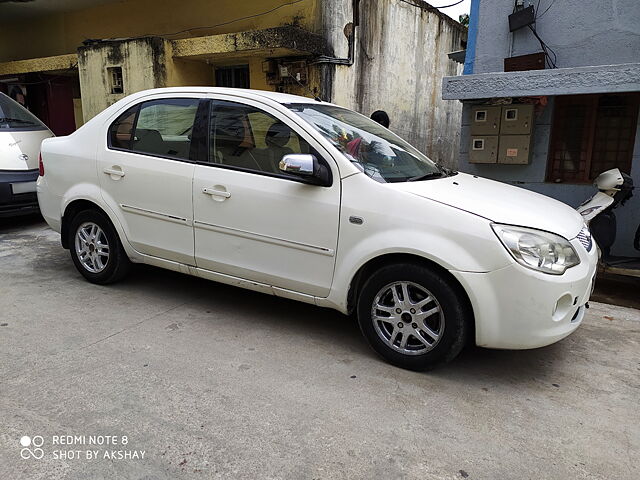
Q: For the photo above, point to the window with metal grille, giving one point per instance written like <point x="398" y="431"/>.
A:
<point x="591" y="134"/>
<point x="236" y="76"/>
<point x="114" y="75"/>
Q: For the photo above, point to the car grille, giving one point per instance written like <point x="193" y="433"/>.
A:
<point x="585" y="238"/>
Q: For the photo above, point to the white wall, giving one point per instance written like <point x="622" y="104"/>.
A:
<point x="400" y="59"/>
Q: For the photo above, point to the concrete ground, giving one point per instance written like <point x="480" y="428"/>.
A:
<point x="212" y="381"/>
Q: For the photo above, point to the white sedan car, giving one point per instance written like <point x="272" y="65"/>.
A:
<point x="20" y="136"/>
<point x="310" y="201"/>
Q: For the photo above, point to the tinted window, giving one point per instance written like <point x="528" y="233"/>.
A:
<point x="245" y="137"/>
<point x="121" y="130"/>
<point x="164" y="127"/>
<point x="14" y="116"/>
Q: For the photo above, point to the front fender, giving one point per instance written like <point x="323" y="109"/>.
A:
<point x="396" y="222"/>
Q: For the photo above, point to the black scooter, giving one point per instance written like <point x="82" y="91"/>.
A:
<point x="614" y="189"/>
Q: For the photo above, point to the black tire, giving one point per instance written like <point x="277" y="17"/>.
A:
<point x="117" y="264"/>
<point x="455" y="321"/>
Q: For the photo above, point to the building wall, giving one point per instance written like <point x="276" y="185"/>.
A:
<point x="602" y="32"/>
<point x="60" y="33"/>
<point x="597" y="32"/>
<point x="143" y="66"/>
<point x="399" y="60"/>
<point x="400" y="54"/>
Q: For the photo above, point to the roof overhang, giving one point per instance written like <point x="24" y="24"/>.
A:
<point x="44" y="64"/>
<point x="278" y="41"/>
<point x="558" y="81"/>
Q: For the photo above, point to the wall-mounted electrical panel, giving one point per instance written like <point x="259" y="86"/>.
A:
<point x="484" y="149"/>
<point x="501" y="134"/>
<point x="485" y="120"/>
<point x="516" y="120"/>
<point x="514" y="149"/>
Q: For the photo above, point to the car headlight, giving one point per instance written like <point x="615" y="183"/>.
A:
<point x="536" y="249"/>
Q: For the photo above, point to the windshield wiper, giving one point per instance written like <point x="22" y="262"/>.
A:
<point x="427" y="176"/>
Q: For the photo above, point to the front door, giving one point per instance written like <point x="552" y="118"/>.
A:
<point x="252" y="221"/>
<point x="146" y="172"/>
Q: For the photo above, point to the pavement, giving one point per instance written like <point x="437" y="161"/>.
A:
<point x="211" y="381"/>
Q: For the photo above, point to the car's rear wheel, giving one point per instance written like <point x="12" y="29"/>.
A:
<point x="96" y="249"/>
<point x="413" y="316"/>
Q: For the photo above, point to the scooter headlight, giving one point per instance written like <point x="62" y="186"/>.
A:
<point x="536" y="249"/>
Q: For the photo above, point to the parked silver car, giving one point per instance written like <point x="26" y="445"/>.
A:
<point x="20" y="136"/>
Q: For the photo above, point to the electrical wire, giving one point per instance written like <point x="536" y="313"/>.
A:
<point x="306" y="87"/>
<point x="431" y="7"/>
<point x="550" y="56"/>
<point x="540" y="16"/>
<point x="221" y="24"/>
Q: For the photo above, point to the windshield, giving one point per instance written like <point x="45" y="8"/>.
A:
<point x="14" y="116"/>
<point x="376" y="151"/>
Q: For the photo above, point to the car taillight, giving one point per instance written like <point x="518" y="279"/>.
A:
<point x="40" y="165"/>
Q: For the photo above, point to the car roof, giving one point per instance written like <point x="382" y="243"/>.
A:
<point x="240" y="92"/>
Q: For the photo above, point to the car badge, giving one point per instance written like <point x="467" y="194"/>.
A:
<point x="23" y="156"/>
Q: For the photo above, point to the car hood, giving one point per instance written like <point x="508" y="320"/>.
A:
<point x="499" y="202"/>
<point x="19" y="149"/>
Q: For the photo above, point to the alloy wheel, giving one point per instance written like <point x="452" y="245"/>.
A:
<point x="92" y="247"/>
<point x="407" y="318"/>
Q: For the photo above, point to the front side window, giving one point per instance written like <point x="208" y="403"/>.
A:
<point x="248" y="138"/>
<point x="376" y="151"/>
<point x="14" y="116"/>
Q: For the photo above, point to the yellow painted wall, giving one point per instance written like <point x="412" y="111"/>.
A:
<point x="137" y="73"/>
<point x="61" y="33"/>
<point x="188" y="72"/>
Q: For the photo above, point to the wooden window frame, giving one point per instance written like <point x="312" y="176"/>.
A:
<point x="591" y="101"/>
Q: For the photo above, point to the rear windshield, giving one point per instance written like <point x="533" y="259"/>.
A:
<point x="14" y="116"/>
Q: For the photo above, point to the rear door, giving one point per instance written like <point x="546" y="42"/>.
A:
<point x="146" y="170"/>
<point x="252" y="221"/>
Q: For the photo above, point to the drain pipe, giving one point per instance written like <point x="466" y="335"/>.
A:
<point x="350" y="33"/>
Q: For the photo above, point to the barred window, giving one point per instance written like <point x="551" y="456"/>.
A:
<point x="591" y="134"/>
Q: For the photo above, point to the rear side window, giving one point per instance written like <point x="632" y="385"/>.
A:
<point x="159" y="127"/>
<point x="14" y="116"/>
<point x="164" y="127"/>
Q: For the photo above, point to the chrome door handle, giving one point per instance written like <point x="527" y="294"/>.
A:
<point x="216" y="193"/>
<point x="114" y="171"/>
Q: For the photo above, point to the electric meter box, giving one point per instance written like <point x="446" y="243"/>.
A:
<point x="485" y="119"/>
<point x="484" y="149"/>
<point x="516" y="119"/>
<point x="514" y="149"/>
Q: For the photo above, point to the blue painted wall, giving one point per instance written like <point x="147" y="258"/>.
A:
<point x="602" y="32"/>
<point x="472" y="35"/>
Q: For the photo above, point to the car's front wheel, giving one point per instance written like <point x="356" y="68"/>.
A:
<point x="96" y="249"/>
<point x="413" y="316"/>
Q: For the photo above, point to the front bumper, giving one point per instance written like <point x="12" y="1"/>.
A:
<point x="14" y="200"/>
<point x="519" y="308"/>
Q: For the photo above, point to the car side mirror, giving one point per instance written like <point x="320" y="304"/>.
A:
<point x="307" y="167"/>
